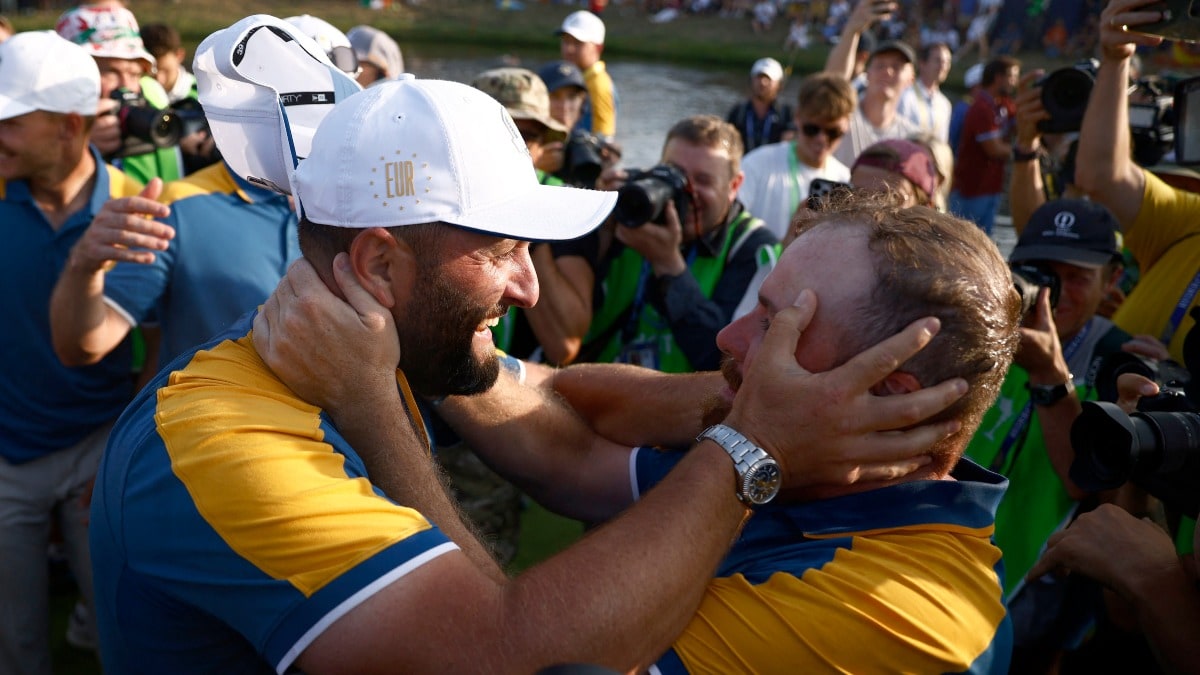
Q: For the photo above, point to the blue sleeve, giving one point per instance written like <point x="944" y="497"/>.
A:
<point x="651" y="465"/>
<point x="138" y="289"/>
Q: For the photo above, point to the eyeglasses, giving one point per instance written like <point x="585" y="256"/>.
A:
<point x="831" y="133"/>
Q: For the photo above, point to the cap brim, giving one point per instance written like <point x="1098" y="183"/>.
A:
<point x="10" y="108"/>
<point x="543" y="213"/>
<point x="1066" y="254"/>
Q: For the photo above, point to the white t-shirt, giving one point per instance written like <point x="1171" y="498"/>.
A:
<point x="863" y="135"/>
<point x="772" y="191"/>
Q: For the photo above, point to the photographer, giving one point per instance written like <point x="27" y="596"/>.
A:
<point x="670" y="285"/>
<point x="579" y="159"/>
<point x="1072" y="245"/>
<point x="1151" y="582"/>
<point x="1158" y="220"/>
<point x="109" y="32"/>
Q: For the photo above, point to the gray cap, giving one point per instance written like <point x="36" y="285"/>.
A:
<point x="376" y="47"/>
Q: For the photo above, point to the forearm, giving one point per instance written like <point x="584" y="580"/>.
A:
<point x="84" y="329"/>
<point x="557" y="460"/>
<point x="841" y="58"/>
<point x="398" y="462"/>
<point x="1027" y="192"/>
<point x="637" y="580"/>
<point x="1168" y="611"/>
<point x="636" y="406"/>
<point x="563" y="312"/>
<point x="1104" y="167"/>
<point x="1055" y="421"/>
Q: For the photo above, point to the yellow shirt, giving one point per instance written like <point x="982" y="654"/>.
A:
<point x="604" y="106"/>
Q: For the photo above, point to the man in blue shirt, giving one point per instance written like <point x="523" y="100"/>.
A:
<point x="54" y="420"/>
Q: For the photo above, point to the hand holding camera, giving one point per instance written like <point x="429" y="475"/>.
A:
<point x="659" y="244"/>
<point x="1031" y="113"/>
<point x="1118" y="25"/>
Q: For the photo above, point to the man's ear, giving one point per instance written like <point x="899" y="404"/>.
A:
<point x="383" y="264"/>
<point x="898" y="382"/>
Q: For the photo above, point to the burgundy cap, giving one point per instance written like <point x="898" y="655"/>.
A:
<point x="907" y="158"/>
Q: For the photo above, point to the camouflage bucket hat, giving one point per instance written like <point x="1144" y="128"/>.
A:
<point x="524" y="95"/>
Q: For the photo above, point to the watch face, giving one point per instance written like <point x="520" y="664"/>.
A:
<point x="762" y="482"/>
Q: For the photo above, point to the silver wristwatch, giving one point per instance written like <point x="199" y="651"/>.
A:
<point x="759" y="478"/>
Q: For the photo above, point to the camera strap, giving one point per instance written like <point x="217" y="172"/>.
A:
<point x="1020" y="426"/>
<point x="1181" y="308"/>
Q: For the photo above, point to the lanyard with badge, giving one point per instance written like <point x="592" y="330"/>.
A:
<point x="1020" y="426"/>
<point x="640" y="349"/>
<point x="1181" y="308"/>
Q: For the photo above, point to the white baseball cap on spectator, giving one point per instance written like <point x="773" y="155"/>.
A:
<point x="415" y="151"/>
<point x="106" y="31"/>
<point x="973" y="76"/>
<point x="376" y="47"/>
<point x="333" y="41"/>
<point x="39" y="70"/>
<point x="583" y="26"/>
<point x="769" y="67"/>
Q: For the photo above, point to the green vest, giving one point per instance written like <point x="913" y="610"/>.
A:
<point x="164" y="163"/>
<point x="653" y="333"/>
<point x="502" y="333"/>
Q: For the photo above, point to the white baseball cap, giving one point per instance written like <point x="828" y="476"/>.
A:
<point x="265" y="86"/>
<point x="106" y="31"/>
<point x="583" y="26"/>
<point x="769" y="67"/>
<point x="418" y="151"/>
<point x="973" y="76"/>
<point x="41" y="71"/>
<point x="327" y="36"/>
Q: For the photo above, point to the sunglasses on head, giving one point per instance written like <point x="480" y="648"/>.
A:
<point x="832" y="133"/>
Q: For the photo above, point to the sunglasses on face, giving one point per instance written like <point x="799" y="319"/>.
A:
<point x="831" y="133"/>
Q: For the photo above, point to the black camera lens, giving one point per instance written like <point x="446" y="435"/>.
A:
<point x="1065" y="96"/>
<point x="643" y="198"/>
<point x="1030" y="278"/>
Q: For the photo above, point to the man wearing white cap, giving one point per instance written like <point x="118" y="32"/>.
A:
<point x="378" y="55"/>
<point x="241" y="524"/>
<point x="582" y="42"/>
<point x="759" y="119"/>
<point x="109" y="32"/>
<point x="54" y="420"/>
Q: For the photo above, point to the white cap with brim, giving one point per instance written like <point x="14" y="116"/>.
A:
<point x="41" y="71"/>
<point x="419" y="151"/>
<point x="265" y="87"/>
<point x="583" y="26"/>
<point x="769" y="67"/>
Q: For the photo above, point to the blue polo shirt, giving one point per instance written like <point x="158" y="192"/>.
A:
<point x="900" y="579"/>
<point x="233" y="243"/>
<point x="44" y="405"/>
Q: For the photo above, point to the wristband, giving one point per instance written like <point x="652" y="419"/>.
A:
<point x="1021" y="156"/>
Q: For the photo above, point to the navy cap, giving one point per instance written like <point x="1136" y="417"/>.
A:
<point x="1074" y="231"/>
<point x="559" y="74"/>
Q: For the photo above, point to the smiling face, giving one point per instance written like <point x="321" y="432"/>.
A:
<point x="31" y="145"/>
<point x="460" y="291"/>
<point x="714" y="184"/>
<point x="1083" y="289"/>
<point x="888" y="74"/>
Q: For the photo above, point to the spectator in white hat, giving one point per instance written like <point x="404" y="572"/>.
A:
<point x="582" y="42"/>
<point x="110" y="33"/>
<point x="54" y="420"/>
<point x="379" y="57"/>
<point x="760" y="119"/>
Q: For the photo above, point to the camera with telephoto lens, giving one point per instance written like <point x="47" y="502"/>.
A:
<point x="1029" y="278"/>
<point x="1151" y="122"/>
<point x="1158" y="446"/>
<point x="583" y="159"/>
<point x="1065" y="96"/>
<point x="644" y="196"/>
<point x="144" y="128"/>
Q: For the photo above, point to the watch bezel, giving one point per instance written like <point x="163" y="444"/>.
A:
<point x="758" y="489"/>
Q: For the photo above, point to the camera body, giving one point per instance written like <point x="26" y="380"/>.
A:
<point x="1151" y="123"/>
<point x="644" y="196"/>
<point x="1065" y="95"/>
<point x="583" y="159"/>
<point x="144" y="128"/>
<point x="1029" y="278"/>
<point x="822" y="190"/>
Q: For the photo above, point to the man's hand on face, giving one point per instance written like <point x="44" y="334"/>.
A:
<point x="829" y="428"/>
<point x="106" y="130"/>
<point x="1040" y="352"/>
<point x="658" y="244"/>
<point x="339" y="355"/>
<point x="121" y="228"/>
